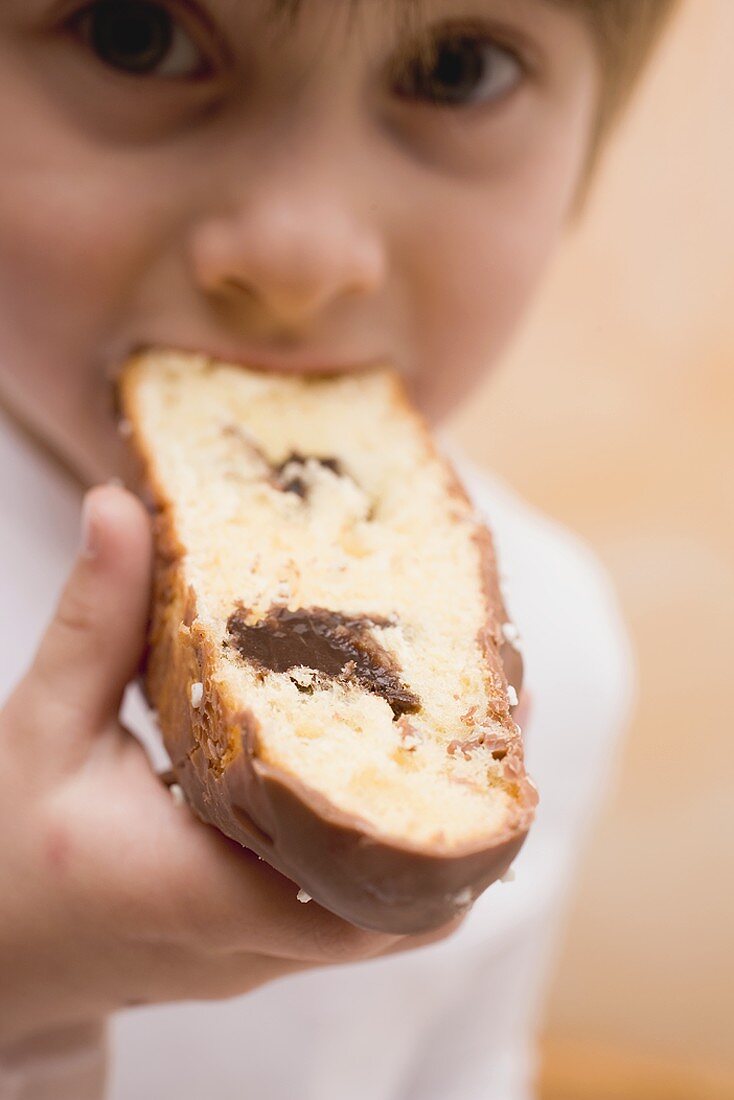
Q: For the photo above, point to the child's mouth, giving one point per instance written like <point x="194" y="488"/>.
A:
<point x="280" y="360"/>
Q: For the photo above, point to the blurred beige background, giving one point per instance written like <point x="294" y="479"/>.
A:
<point x="616" y="414"/>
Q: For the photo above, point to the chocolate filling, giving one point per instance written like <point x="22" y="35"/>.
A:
<point x="339" y="646"/>
<point x="294" y="483"/>
<point x="275" y="471"/>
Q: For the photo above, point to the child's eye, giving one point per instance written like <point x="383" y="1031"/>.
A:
<point x="459" y="69"/>
<point x="141" y="38"/>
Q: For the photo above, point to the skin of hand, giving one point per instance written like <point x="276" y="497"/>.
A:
<point x="111" y="894"/>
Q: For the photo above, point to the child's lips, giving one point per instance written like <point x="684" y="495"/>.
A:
<point x="288" y="361"/>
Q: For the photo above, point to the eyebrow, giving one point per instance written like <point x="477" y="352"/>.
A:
<point x="408" y="12"/>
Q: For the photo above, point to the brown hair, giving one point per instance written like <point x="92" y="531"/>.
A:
<point x="625" y="33"/>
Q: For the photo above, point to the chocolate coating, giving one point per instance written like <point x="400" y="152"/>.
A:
<point x="336" y="645"/>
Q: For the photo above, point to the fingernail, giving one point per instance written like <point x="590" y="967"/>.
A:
<point x="89" y="540"/>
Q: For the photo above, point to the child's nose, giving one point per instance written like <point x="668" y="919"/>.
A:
<point x="292" y="260"/>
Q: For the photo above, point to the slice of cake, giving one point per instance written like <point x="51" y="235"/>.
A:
<point x="326" y="635"/>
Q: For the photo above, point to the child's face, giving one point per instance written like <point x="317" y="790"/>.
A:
<point x="323" y="193"/>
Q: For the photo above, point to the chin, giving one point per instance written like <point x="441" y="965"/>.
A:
<point x="438" y="403"/>
<point x="97" y="456"/>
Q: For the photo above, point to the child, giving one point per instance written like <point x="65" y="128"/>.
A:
<point x="298" y="187"/>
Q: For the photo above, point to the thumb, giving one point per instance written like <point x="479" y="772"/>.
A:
<point x="93" y="645"/>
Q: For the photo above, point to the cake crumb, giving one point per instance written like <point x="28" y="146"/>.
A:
<point x="303" y="896"/>
<point x="197" y="694"/>
<point x="509" y="875"/>
<point x="303" y="677"/>
<point x="410" y="736"/>
<point x="283" y="591"/>
<point x="464" y="897"/>
<point x="512" y="695"/>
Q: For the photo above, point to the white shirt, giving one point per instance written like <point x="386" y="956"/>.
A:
<point x="453" y="1021"/>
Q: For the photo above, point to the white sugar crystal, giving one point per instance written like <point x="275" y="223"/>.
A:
<point x="511" y="635"/>
<point x="512" y="695"/>
<point x="177" y="794"/>
<point x="197" y="695"/>
<point x="509" y="875"/>
<point x="303" y="896"/>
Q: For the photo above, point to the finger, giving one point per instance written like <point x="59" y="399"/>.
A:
<point x="174" y="974"/>
<point x="258" y="909"/>
<point x="94" y="642"/>
<point x="424" y="939"/>
<point x="171" y="872"/>
<point x="231" y="900"/>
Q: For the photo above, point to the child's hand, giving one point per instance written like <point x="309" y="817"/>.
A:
<point x="110" y="893"/>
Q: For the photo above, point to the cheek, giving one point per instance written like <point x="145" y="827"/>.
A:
<point x="75" y="245"/>
<point x="71" y="246"/>
<point x="78" y="230"/>
<point x="79" y="220"/>
<point x="480" y="262"/>
<point x="478" y="275"/>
